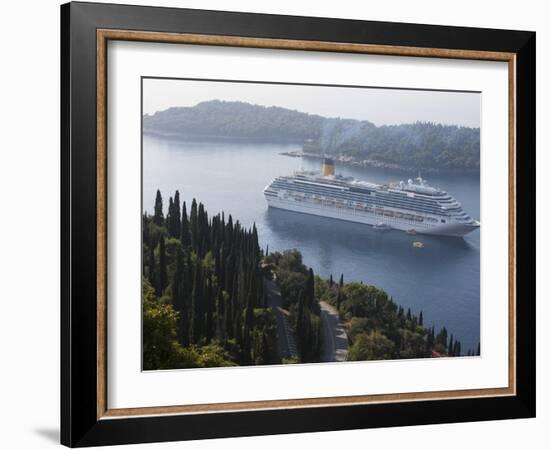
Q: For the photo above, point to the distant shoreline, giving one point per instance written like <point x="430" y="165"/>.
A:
<point x="341" y="159"/>
<point x="349" y="160"/>
<point x="212" y="137"/>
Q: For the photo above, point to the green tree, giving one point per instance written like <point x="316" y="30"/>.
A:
<point x="176" y="221"/>
<point x="371" y="346"/>
<point x="338" y="299"/>
<point x="170" y="217"/>
<point x="185" y="237"/>
<point x="193" y="222"/>
<point x="197" y="315"/>
<point x="163" y="276"/>
<point x="158" y="218"/>
<point x="160" y="349"/>
<point x="179" y="298"/>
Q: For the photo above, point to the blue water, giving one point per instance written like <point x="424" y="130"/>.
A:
<point x="442" y="279"/>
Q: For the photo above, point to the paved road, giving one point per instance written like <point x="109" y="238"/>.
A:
<point x="285" y="337"/>
<point x="335" y="339"/>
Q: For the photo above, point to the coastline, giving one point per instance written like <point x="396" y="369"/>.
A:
<point x="340" y="158"/>
<point x="350" y="161"/>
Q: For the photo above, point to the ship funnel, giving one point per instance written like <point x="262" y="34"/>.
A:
<point x="328" y="167"/>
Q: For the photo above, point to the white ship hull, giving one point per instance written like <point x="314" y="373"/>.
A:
<point x="369" y="218"/>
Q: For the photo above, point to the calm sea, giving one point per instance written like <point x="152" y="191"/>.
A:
<point x="441" y="279"/>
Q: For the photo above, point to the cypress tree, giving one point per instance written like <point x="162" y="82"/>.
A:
<point x="429" y="340"/>
<point x="247" y="330"/>
<point x="301" y="326"/>
<point x="146" y="231"/>
<point x="442" y="338"/>
<point x="195" y="329"/>
<point x="330" y="281"/>
<point x="220" y="315"/>
<point x="163" y="277"/>
<point x="176" y="221"/>
<point x="178" y="298"/>
<point x="421" y="319"/>
<point x="233" y="309"/>
<point x="158" y="218"/>
<point x="194" y="225"/>
<point x="209" y="332"/>
<point x="338" y="299"/>
<point x="151" y="264"/>
<point x="341" y="281"/>
<point x="228" y="319"/>
<point x="254" y="238"/>
<point x="202" y="231"/>
<point x="451" y="348"/>
<point x="310" y="288"/>
<point x="238" y="330"/>
<point x="185" y="237"/>
<point x="170" y="217"/>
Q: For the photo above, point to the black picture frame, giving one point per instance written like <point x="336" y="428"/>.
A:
<point x="80" y="425"/>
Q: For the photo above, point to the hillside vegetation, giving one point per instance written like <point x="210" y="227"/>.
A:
<point x="420" y="145"/>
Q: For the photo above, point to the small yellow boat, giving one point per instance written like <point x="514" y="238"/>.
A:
<point x="418" y="244"/>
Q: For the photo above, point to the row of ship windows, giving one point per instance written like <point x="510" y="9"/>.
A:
<point x="442" y="197"/>
<point x="330" y="191"/>
<point x="463" y="217"/>
<point x="360" y="207"/>
<point x="398" y="203"/>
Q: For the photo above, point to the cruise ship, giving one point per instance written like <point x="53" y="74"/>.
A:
<point x="411" y="206"/>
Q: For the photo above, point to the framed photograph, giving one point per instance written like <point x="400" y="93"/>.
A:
<point x="276" y="224"/>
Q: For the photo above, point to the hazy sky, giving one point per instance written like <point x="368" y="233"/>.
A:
<point x="380" y="106"/>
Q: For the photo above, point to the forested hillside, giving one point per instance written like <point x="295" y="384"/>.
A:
<point x="418" y="145"/>
<point x="205" y="303"/>
<point x="203" y="291"/>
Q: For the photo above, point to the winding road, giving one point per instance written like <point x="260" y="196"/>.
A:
<point x="335" y="339"/>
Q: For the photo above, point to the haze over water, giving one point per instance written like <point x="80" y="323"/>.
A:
<point x="442" y="279"/>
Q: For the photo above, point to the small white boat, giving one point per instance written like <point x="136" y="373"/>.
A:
<point x="381" y="226"/>
<point x="418" y="244"/>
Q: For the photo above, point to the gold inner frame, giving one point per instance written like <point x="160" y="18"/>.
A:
<point x="104" y="35"/>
